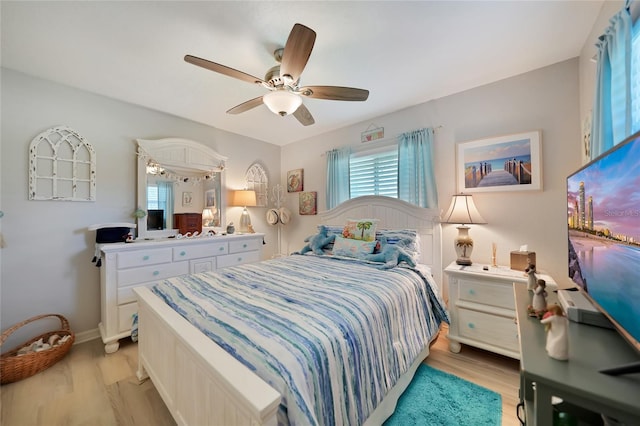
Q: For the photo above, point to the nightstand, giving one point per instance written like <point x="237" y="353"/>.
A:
<point x="482" y="307"/>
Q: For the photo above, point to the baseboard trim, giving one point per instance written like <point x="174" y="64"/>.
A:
<point x="86" y="336"/>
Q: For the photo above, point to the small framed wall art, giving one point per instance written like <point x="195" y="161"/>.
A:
<point x="308" y="203"/>
<point x="504" y="163"/>
<point x="295" y="180"/>
<point x="187" y="198"/>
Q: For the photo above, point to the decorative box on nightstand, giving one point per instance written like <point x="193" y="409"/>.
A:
<point x="482" y="307"/>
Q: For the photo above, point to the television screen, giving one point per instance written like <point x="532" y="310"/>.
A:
<point x="604" y="234"/>
<point x="155" y="219"/>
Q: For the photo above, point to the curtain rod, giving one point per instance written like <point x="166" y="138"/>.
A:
<point x="378" y="142"/>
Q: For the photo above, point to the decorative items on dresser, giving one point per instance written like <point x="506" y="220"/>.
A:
<point x="143" y="263"/>
<point x="482" y="307"/>
<point x="188" y="222"/>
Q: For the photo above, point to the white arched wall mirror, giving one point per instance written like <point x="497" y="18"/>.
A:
<point x="177" y="176"/>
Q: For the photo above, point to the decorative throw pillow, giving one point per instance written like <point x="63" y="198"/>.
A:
<point x="352" y="248"/>
<point x="360" y="229"/>
<point x="409" y="237"/>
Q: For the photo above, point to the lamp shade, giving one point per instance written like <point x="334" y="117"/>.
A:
<point x="282" y="102"/>
<point x="207" y="214"/>
<point x="244" y="198"/>
<point x="463" y="211"/>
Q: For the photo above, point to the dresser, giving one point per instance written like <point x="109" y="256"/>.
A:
<point x="143" y="263"/>
<point x="187" y="222"/>
<point x="482" y="307"/>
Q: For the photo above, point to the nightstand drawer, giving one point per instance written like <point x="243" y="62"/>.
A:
<point x="486" y="293"/>
<point x="491" y="329"/>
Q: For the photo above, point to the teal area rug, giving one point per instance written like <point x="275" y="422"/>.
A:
<point x="438" y="398"/>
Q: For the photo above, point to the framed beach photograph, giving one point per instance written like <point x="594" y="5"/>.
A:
<point x="295" y="180"/>
<point x="210" y="198"/>
<point x="503" y="163"/>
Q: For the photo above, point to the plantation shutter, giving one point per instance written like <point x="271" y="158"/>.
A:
<point x="374" y="173"/>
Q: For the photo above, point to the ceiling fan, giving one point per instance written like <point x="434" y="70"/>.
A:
<point x="283" y="80"/>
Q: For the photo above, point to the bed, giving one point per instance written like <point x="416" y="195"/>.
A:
<point x="201" y="382"/>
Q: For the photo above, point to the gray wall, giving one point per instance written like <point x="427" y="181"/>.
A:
<point x="546" y="99"/>
<point x="46" y="261"/>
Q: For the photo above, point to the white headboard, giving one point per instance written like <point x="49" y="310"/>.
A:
<point x="395" y="214"/>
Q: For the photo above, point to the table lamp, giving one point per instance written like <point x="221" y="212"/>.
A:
<point x="244" y="198"/>
<point x="463" y="211"/>
<point x="207" y="217"/>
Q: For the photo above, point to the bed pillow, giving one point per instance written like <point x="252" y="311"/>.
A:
<point x="408" y="239"/>
<point x="352" y="248"/>
<point x="360" y="229"/>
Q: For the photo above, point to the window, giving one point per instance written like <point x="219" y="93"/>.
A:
<point x="374" y="173"/>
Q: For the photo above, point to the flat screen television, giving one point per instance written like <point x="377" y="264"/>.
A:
<point x="603" y="200"/>
<point x="155" y="219"/>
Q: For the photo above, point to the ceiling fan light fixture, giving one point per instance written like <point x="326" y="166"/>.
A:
<point x="282" y="102"/>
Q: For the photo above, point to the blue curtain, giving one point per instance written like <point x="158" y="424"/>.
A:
<point x="612" y="102"/>
<point x="337" y="176"/>
<point x="416" y="178"/>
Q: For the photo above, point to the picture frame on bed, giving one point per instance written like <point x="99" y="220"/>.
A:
<point x="502" y="163"/>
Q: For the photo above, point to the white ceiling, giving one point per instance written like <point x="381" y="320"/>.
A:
<point x="404" y="53"/>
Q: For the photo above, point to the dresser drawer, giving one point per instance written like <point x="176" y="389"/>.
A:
<point x="238" y="258"/>
<point x="131" y="259"/>
<point x="194" y="252"/>
<point x="126" y="294"/>
<point x="244" y="245"/>
<point x="491" y="329"/>
<point x="125" y="316"/>
<point x="127" y="277"/>
<point x="486" y="293"/>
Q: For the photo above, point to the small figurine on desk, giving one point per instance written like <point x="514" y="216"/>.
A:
<point x="556" y="325"/>
<point x="539" y="303"/>
<point x="532" y="282"/>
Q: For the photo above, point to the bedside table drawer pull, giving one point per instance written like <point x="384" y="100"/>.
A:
<point x="244" y="245"/>
<point x="145" y="257"/>
<point x="156" y="273"/>
<point x="182" y="253"/>
<point x="472" y="292"/>
<point x="221" y="248"/>
<point x="471" y="325"/>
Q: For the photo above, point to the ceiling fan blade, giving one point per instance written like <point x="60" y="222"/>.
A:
<point x="222" y="69"/>
<point x="304" y="116"/>
<point x="297" y="51"/>
<point x="246" y="106"/>
<point x="335" y="93"/>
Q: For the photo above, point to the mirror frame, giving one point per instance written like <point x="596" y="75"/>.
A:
<point x="177" y="154"/>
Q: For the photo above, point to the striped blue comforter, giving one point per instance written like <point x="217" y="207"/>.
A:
<point x="332" y="336"/>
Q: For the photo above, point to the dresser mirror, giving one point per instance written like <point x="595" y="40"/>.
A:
<point x="178" y="176"/>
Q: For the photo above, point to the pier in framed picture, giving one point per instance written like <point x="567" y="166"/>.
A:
<point x="503" y="163"/>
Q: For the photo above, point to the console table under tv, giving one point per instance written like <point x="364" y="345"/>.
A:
<point x="576" y="381"/>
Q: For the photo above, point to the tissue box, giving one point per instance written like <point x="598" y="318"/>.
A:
<point x="521" y="259"/>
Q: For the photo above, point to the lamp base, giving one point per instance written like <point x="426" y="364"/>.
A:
<point x="463" y="244"/>
<point x="245" y="222"/>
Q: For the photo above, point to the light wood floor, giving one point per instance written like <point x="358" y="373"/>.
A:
<point x="90" y="388"/>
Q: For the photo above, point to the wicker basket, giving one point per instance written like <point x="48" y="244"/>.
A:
<point x="14" y="367"/>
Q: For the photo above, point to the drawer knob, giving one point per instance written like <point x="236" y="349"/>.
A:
<point x="472" y="292"/>
<point x="221" y="249"/>
<point x="182" y="253"/>
<point x="244" y="245"/>
<point x="145" y="257"/>
<point x="155" y="273"/>
<point x="239" y="259"/>
<point x="471" y="325"/>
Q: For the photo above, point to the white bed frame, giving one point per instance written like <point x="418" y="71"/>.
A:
<point x="202" y="384"/>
